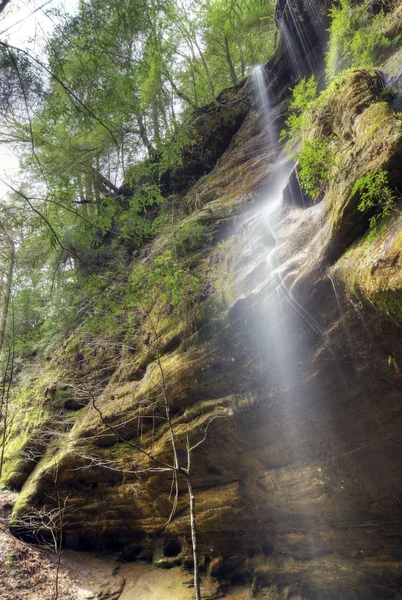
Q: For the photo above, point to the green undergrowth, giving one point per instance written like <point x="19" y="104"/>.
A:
<point x="168" y="295"/>
<point x="315" y="164"/>
<point x="376" y="197"/>
<point x="323" y="153"/>
<point x="358" y="36"/>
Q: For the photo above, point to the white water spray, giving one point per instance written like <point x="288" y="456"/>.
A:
<point x="282" y="322"/>
<point x="264" y="105"/>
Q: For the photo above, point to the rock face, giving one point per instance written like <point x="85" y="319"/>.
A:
<point x="295" y="368"/>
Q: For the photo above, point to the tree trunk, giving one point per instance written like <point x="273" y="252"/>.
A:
<point x="155" y="119"/>
<point x="7" y="294"/>
<point x="6" y="407"/>
<point x="230" y="62"/>
<point x="209" y="78"/>
<point x="3" y="5"/>
<point x="194" y="87"/>
<point x="242" y="63"/>
<point x="144" y="135"/>
<point x="193" y="524"/>
<point x="182" y="95"/>
<point x="99" y="179"/>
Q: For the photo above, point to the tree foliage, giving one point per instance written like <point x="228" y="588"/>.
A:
<point x="95" y="121"/>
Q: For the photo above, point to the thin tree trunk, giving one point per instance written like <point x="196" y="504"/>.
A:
<point x="193" y="524"/>
<point x="97" y="182"/>
<point x="182" y="95"/>
<point x="144" y="135"/>
<point x="209" y="78"/>
<point x="167" y="132"/>
<point x="155" y="119"/>
<point x="3" y="386"/>
<point x="230" y="62"/>
<point x="56" y="583"/>
<point x="101" y="179"/>
<point x="4" y="436"/>
<point x="194" y="87"/>
<point x="242" y="63"/>
<point x="88" y="188"/>
<point x="7" y="402"/>
<point x="7" y="294"/>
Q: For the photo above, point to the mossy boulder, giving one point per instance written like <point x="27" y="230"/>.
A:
<point x="365" y="135"/>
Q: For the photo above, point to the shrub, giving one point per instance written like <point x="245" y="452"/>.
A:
<point x="315" y="164"/>
<point x="357" y="37"/>
<point x="304" y="94"/>
<point x="168" y="281"/>
<point x="375" y="194"/>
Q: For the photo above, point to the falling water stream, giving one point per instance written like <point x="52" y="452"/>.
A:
<point x="280" y="305"/>
<point x="299" y="40"/>
<point x="341" y="312"/>
<point x="283" y="317"/>
<point x="260" y="82"/>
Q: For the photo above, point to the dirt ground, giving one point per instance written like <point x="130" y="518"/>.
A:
<point x="27" y="572"/>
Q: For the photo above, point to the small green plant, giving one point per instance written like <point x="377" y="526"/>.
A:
<point x="375" y="195"/>
<point x="314" y="167"/>
<point x="392" y="363"/>
<point x="304" y="95"/>
<point x="9" y="559"/>
<point x="190" y="236"/>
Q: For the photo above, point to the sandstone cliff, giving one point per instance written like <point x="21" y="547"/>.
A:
<point x="298" y="481"/>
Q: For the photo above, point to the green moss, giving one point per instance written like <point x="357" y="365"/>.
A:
<point x="393" y="302"/>
<point x="371" y="270"/>
<point x="190" y="236"/>
<point x="397" y="243"/>
<point x="42" y="476"/>
<point x="222" y="273"/>
<point x="377" y="120"/>
<point x="31" y="419"/>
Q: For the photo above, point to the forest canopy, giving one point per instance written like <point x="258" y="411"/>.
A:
<point x="94" y="118"/>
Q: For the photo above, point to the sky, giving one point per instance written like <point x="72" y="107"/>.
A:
<point x="26" y="24"/>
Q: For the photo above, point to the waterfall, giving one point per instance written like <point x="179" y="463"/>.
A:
<point x="264" y="105"/>
<point x="301" y="39"/>
<point x="281" y="322"/>
<point x="279" y="305"/>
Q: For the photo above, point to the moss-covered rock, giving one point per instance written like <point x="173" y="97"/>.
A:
<point x="365" y="135"/>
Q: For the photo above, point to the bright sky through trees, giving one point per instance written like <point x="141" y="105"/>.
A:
<point x="27" y="25"/>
